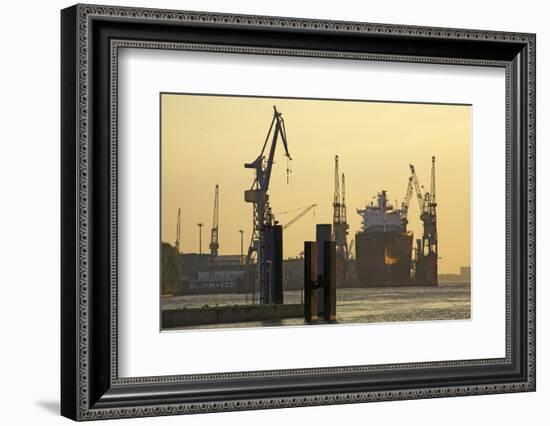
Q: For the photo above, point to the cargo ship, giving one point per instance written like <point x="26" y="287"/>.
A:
<point x="383" y="247"/>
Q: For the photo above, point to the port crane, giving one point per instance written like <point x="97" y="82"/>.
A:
<point x="339" y="219"/>
<point x="340" y="225"/>
<point x="258" y="196"/>
<point x="426" y="249"/>
<point x="214" y="243"/>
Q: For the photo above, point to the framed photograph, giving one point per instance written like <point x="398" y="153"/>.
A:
<point x="263" y="212"/>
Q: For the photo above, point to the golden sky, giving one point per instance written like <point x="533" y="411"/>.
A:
<point x="207" y="139"/>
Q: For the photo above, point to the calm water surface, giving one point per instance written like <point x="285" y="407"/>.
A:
<point x="357" y="305"/>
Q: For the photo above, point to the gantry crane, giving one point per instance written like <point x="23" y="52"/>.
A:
<point x="214" y="243"/>
<point x="426" y="249"/>
<point x="258" y="196"/>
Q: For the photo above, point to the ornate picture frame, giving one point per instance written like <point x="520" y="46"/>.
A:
<point x="91" y="37"/>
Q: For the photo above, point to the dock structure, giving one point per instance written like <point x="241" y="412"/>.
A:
<point x="181" y="318"/>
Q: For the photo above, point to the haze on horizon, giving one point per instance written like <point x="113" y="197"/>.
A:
<point x="207" y="139"/>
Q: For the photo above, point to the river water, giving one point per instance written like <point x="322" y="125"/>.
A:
<point x="357" y="305"/>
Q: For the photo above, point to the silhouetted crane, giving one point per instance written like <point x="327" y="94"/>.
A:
<point x="340" y="225"/>
<point x="426" y="250"/>
<point x="214" y="243"/>
<point x="257" y="194"/>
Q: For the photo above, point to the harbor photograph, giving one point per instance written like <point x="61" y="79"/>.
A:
<point x="304" y="212"/>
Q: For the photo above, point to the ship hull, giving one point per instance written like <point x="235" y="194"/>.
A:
<point x="383" y="259"/>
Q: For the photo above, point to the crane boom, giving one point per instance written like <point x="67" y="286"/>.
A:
<point x="405" y="203"/>
<point x="417" y="188"/>
<point x="408" y="195"/>
<point x="300" y="215"/>
<point x="263" y="175"/>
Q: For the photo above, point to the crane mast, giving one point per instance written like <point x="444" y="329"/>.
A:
<point x="258" y="196"/>
<point x="339" y="220"/>
<point x="178" y="232"/>
<point x="214" y="243"/>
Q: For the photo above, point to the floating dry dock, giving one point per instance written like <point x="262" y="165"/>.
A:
<point x="181" y="317"/>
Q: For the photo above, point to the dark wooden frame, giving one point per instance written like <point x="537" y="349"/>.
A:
<point x="90" y="386"/>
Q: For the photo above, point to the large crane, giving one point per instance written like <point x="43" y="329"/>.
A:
<point x="426" y="250"/>
<point x="214" y="244"/>
<point x="340" y="225"/>
<point x="258" y="196"/>
<point x="339" y="219"/>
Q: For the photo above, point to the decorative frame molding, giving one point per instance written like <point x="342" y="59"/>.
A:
<point x="91" y="388"/>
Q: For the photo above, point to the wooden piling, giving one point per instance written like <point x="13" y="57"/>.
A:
<point x="329" y="281"/>
<point x="310" y="277"/>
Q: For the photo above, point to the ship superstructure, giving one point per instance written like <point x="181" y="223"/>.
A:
<point x="383" y="246"/>
<point x="381" y="217"/>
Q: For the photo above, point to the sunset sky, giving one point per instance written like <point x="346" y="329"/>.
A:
<point x="207" y="139"/>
